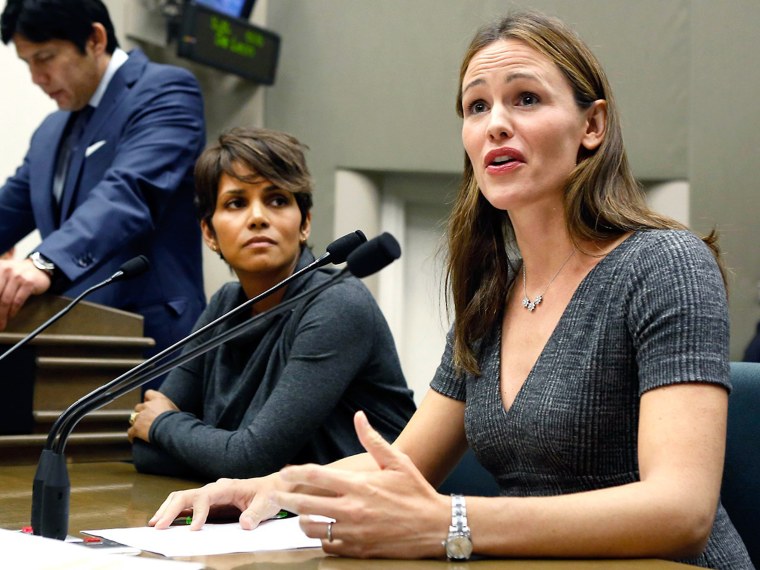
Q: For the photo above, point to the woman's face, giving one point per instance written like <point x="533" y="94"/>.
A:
<point x="522" y="129"/>
<point x="256" y="227"/>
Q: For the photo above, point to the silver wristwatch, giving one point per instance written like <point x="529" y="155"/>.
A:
<point x="42" y="263"/>
<point x="458" y="544"/>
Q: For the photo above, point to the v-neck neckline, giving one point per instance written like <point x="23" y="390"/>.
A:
<point x="569" y="309"/>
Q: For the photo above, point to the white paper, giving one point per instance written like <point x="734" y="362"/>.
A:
<point x="37" y="553"/>
<point x="283" y="534"/>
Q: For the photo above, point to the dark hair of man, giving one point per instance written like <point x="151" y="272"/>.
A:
<point x="266" y="154"/>
<point x="44" y="20"/>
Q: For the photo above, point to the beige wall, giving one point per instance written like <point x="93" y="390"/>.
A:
<point x="724" y="146"/>
<point x="370" y="85"/>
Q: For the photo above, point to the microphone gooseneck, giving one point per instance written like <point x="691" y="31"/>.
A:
<point x="367" y="259"/>
<point x="70" y="416"/>
<point x="50" y="503"/>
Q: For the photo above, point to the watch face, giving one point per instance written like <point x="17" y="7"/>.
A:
<point x="459" y="547"/>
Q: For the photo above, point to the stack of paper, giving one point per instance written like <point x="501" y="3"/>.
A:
<point x="282" y="534"/>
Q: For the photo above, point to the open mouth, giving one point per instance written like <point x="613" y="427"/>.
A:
<point x="500" y="160"/>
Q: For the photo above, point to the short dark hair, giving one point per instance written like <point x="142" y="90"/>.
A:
<point x="273" y="155"/>
<point x="43" y="20"/>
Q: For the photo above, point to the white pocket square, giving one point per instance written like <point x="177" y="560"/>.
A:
<point x="93" y="147"/>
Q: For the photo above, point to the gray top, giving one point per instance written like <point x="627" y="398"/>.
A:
<point x="284" y="392"/>
<point x="653" y="312"/>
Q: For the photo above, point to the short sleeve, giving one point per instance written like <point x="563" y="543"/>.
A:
<point x="447" y="380"/>
<point x="678" y="313"/>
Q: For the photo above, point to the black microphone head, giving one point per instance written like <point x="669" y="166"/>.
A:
<point x="372" y="256"/>
<point x="340" y="249"/>
<point x="132" y="268"/>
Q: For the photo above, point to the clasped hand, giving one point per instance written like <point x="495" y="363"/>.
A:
<point x="389" y="511"/>
<point x="154" y="404"/>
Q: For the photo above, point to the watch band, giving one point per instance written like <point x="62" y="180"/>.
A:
<point x="42" y="263"/>
<point x="458" y="544"/>
<point x="459" y="514"/>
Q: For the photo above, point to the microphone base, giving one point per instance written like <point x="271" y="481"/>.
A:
<point x="40" y="476"/>
<point x="56" y="493"/>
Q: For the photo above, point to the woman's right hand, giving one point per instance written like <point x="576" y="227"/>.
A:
<point x="251" y="496"/>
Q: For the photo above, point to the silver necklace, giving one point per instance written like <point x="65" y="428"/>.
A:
<point x="531" y="305"/>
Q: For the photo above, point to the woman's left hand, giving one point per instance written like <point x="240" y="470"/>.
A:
<point x="154" y="404"/>
<point x="391" y="512"/>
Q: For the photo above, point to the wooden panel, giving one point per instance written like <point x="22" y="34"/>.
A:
<point x="87" y="348"/>
<point x="84" y="318"/>
<point x="80" y="447"/>
<point x="61" y="381"/>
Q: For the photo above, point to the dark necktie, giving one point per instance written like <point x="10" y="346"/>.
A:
<point x="69" y="146"/>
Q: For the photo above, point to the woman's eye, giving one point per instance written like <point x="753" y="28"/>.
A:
<point x="280" y="200"/>
<point x="477" y="107"/>
<point x="528" y="99"/>
<point x="234" y="204"/>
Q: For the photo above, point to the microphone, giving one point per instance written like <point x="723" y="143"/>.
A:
<point x="374" y="255"/>
<point x="339" y="250"/>
<point x="51" y="489"/>
<point x="132" y="268"/>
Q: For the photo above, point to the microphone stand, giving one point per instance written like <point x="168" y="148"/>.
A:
<point x="51" y="487"/>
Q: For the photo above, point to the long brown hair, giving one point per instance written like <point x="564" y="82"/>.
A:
<point x="602" y="198"/>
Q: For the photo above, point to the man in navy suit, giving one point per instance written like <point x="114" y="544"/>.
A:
<point x="106" y="177"/>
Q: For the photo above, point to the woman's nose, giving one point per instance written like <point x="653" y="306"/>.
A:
<point x="499" y="125"/>
<point x="257" y="216"/>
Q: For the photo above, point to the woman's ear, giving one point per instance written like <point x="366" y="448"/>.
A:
<point x="305" y="228"/>
<point x="596" y="125"/>
<point x="209" y="235"/>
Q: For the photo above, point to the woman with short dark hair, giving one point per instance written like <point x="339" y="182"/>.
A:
<point x="286" y="390"/>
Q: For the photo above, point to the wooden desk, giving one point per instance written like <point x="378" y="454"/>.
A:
<point x="114" y="495"/>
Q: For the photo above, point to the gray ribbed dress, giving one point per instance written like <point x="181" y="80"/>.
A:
<point x="652" y="313"/>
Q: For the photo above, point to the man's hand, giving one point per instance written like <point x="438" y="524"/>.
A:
<point x="19" y="279"/>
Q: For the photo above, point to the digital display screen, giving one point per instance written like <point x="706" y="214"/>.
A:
<point x="226" y="43"/>
<point x="235" y="8"/>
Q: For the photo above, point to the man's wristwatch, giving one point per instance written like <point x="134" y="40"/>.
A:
<point x="458" y="544"/>
<point x="42" y="263"/>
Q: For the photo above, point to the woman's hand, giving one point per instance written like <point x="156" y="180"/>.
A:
<point x="154" y="404"/>
<point x="392" y="512"/>
<point x="251" y="496"/>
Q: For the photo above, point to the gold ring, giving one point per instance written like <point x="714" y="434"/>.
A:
<point x="133" y="418"/>
<point x="329" y="532"/>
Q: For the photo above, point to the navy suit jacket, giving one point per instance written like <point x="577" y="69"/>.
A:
<point x="128" y="191"/>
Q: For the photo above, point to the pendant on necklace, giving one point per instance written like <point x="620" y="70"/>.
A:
<point x="531" y="305"/>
